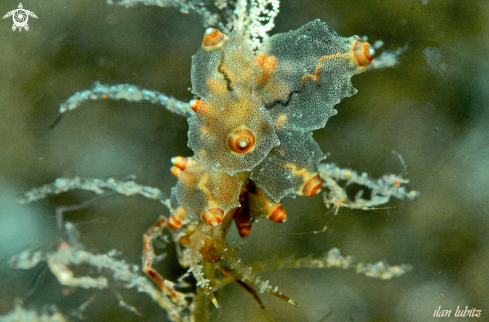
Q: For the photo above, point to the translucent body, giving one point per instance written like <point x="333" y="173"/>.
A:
<point x="312" y="75"/>
<point x="255" y="115"/>
<point x="289" y="165"/>
<point x="200" y="188"/>
<point x="223" y="79"/>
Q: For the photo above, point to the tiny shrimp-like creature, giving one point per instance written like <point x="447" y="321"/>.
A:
<point x="252" y="142"/>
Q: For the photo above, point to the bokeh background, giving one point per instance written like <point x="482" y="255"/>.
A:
<point x="432" y="109"/>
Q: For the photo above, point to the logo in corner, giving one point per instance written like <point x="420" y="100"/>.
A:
<point x="20" y="16"/>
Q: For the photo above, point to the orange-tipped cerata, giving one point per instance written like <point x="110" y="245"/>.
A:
<point x="213" y="217"/>
<point x="176" y="171"/>
<point x="213" y="39"/>
<point x="312" y="186"/>
<point x="176" y="218"/>
<point x="241" y="140"/>
<point x="194" y="104"/>
<point x="243" y="222"/>
<point x="182" y="163"/>
<point x="276" y="212"/>
<point x="362" y="53"/>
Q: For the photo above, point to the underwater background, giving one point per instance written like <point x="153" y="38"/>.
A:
<point x="432" y="108"/>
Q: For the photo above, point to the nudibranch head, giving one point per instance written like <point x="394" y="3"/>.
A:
<point x="362" y="53"/>
<point x="213" y="39"/>
<point x="241" y="140"/>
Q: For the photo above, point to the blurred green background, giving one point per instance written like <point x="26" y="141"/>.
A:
<point x="432" y="109"/>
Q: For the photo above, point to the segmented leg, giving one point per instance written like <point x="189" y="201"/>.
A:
<point x="149" y="255"/>
<point x="243" y="272"/>
<point x="246" y="286"/>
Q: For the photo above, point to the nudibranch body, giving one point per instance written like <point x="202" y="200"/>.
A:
<point x="250" y="132"/>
